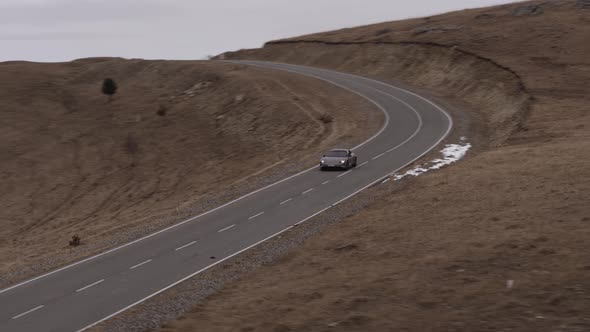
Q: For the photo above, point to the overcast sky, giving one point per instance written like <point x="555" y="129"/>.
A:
<point x="62" y="30"/>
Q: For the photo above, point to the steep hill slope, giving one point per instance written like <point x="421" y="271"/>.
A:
<point x="498" y="242"/>
<point x="178" y="138"/>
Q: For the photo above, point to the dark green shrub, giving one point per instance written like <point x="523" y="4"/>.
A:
<point x="109" y="87"/>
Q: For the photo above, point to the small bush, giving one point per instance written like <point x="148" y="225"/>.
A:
<point x="326" y="118"/>
<point x="75" y="241"/>
<point x="109" y="87"/>
<point x="162" y="110"/>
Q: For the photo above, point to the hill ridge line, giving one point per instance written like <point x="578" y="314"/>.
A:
<point x="521" y="84"/>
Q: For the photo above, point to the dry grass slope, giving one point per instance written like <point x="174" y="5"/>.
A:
<point x="440" y="254"/>
<point x="177" y="138"/>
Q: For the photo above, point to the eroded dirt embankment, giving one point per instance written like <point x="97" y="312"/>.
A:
<point x="489" y="90"/>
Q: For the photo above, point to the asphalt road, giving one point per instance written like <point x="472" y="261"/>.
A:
<point x="85" y="293"/>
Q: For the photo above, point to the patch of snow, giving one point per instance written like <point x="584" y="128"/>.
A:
<point x="451" y="153"/>
<point x="509" y="283"/>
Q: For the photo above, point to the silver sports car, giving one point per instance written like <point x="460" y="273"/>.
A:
<point x="338" y="158"/>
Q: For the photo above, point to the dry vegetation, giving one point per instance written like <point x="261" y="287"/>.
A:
<point x="177" y="138"/>
<point x="498" y="242"/>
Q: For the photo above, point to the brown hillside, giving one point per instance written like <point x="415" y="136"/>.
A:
<point x="498" y="242"/>
<point x="178" y="138"/>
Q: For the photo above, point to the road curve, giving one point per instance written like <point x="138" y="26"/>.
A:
<point x="85" y="293"/>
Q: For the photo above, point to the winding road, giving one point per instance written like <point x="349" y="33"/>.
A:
<point x="85" y="293"/>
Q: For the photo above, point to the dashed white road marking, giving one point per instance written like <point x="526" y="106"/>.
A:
<point x="361" y="165"/>
<point x="326" y="182"/>
<point x="378" y="156"/>
<point x="343" y="174"/>
<point x="186" y="245"/>
<point x="92" y="284"/>
<point x="140" y="264"/>
<point x="307" y="191"/>
<point x="27" y="312"/>
<point x="286" y="201"/>
<point x="256" y="215"/>
<point x="225" y="229"/>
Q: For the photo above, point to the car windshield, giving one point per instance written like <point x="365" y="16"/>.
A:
<point x="337" y="153"/>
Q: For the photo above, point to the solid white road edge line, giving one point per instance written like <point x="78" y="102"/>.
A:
<point x="28" y="312"/>
<point x="186" y="245"/>
<point x="420" y="123"/>
<point x="225" y="229"/>
<point x="288" y="228"/>
<point x="387" y="119"/>
<point x="140" y="264"/>
<point x="185" y="278"/>
<point x="408" y="163"/>
<point x="92" y="284"/>
<point x="313" y="215"/>
<point x="372" y="101"/>
<point x="451" y="124"/>
<point x="200" y="271"/>
<point x="384" y="84"/>
<point x="256" y="215"/>
<point x="286" y="201"/>
<point x="333" y="83"/>
<point x="307" y="191"/>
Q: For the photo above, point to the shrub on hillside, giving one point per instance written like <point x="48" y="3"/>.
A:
<point x="162" y="110"/>
<point x="326" y="118"/>
<point x="75" y="241"/>
<point x="109" y="87"/>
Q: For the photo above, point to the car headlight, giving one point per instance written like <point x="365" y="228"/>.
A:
<point x="342" y="161"/>
<point x="321" y="161"/>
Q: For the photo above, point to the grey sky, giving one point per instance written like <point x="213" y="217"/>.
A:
<point x="59" y="30"/>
